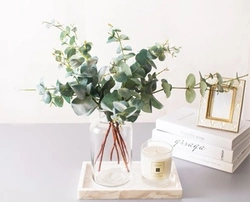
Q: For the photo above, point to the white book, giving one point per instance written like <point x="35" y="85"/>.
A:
<point x="201" y="148"/>
<point x="210" y="162"/>
<point x="183" y="122"/>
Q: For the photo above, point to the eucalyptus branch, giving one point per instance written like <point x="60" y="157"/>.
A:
<point x="85" y="91"/>
<point x="87" y="88"/>
<point x="120" y="44"/>
<point x="34" y="89"/>
<point x="27" y="89"/>
<point x="165" y="69"/>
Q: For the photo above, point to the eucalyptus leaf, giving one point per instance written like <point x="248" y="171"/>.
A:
<point x="72" y="40"/>
<point x="190" y="95"/>
<point x="151" y="63"/>
<point x="47" y="97"/>
<point x="126" y="93"/>
<point x="80" y="91"/>
<point x="129" y="55"/>
<point x="133" y="84"/>
<point x="71" y="52"/>
<point x="63" y="35"/>
<point x="162" y="57"/>
<point x="124" y="37"/>
<point x="127" y="48"/>
<point x="203" y="88"/>
<point x="67" y="30"/>
<point x="134" y="117"/>
<point x="137" y="71"/>
<point x="126" y="69"/>
<point x="147" y="106"/>
<point x="83" y="107"/>
<point x="66" y="90"/>
<point x="166" y="87"/>
<point x="67" y="99"/>
<point x="40" y="89"/>
<point x="120" y="77"/>
<point x="108" y="99"/>
<point x="58" y="101"/>
<point x="135" y="102"/>
<point x="118" y="50"/>
<point x="130" y="111"/>
<point x="107" y="86"/>
<point x="219" y="77"/>
<point x="111" y="39"/>
<point x="92" y="62"/>
<point x="220" y="88"/>
<point x="101" y="73"/>
<point x="76" y="62"/>
<point x="155" y="103"/>
<point x="190" y="81"/>
<point x="119" y="106"/>
<point x="141" y="57"/>
<point x="58" y="58"/>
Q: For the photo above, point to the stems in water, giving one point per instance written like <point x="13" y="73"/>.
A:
<point x="119" y="146"/>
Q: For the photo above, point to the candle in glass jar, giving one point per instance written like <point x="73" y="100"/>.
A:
<point x="156" y="161"/>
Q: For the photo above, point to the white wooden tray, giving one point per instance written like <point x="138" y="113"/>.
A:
<point x="134" y="189"/>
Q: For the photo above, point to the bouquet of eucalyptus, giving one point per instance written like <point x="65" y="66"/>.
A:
<point x="122" y="89"/>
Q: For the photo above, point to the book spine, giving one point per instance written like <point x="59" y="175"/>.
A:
<point x="194" y="134"/>
<point x="210" y="162"/>
<point x="192" y="146"/>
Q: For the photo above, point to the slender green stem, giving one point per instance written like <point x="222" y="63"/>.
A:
<point x="197" y="84"/>
<point x="120" y="44"/>
<point x="165" y="69"/>
<point x="33" y="89"/>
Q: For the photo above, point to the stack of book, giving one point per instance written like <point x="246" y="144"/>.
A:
<point x="214" y="148"/>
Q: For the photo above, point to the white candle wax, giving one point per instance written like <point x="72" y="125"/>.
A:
<point x="156" y="162"/>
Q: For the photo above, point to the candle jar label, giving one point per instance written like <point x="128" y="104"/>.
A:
<point x="157" y="169"/>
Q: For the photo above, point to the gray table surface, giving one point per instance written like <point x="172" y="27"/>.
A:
<point x="42" y="163"/>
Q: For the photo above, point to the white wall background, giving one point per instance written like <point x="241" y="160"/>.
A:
<point x="214" y="35"/>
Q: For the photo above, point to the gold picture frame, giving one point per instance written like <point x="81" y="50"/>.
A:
<point x="222" y="110"/>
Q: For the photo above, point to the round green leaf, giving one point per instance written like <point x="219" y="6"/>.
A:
<point x="83" y="107"/>
<point x="80" y="91"/>
<point x="72" y="40"/>
<point x="141" y="57"/>
<point x="190" y="81"/>
<point x="190" y="95"/>
<point x="125" y="68"/>
<point x="71" y="52"/>
<point x="63" y="35"/>
<point x="47" y="97"/>
<point x="203" y="88"/>
<point x="127" y="48"/>
<point x="119" y="106"/>
<point x="162" y="57"/>
<point x="155" y="103"/>
<point x="58" y="101"/>
<point x="219" y="78"/>
<point x="40" y="89"/>
<point x="166" y="87"/>
<point x="120" y="77"/>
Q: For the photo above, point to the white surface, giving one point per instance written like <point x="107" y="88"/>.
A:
<point x="134" y="189"/>
<point x="214" y="36"/>
<point x="42" y="163"/>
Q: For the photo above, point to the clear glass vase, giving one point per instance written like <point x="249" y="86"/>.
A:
<point x="111" y="152"/>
